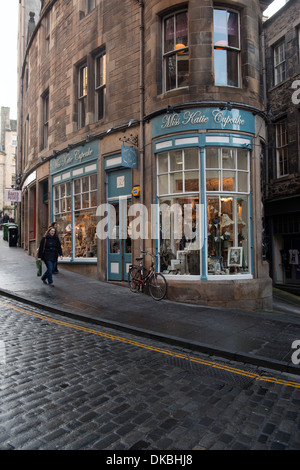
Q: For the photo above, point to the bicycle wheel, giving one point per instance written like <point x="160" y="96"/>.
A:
<point x="133" y="278"/>
<point x="157" y="286"/>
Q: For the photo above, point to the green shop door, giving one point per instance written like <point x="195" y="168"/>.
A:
<point x="119" y="242"/>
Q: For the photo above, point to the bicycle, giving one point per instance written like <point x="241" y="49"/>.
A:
<point x="139" y="277"/>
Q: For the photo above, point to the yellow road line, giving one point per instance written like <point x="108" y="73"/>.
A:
<point x="204" y="362"/>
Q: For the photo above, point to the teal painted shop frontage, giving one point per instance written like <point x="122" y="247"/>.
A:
<point x="74" y="200"/>
<point x="209" y="158"/>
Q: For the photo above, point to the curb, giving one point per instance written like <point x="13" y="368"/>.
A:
<point x="257" y="361"/>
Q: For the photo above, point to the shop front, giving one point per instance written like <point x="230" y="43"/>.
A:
<point x="205" y="177"/>
<point x="74" y="199"/>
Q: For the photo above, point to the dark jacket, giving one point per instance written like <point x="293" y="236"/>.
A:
<point x="50" y="248"/>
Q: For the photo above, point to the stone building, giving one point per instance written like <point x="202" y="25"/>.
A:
<point x="142" y="126"/>
<point x="8" y="150"/>
<point x="282" y="172"/>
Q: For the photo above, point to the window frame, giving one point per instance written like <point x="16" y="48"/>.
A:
<point x="229" y="49"/>
<point x="174" y="53"/>
<point x="280" y="66"/>
<point x="281" y="149"/>
<point x="82" y="92"/>
<point x="100" y="84"/>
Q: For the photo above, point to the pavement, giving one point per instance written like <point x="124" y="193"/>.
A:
<point x="262" y="339"/>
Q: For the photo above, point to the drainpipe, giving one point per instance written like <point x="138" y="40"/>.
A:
<point x="142" y="93"/>
<point x="266" y="109"/>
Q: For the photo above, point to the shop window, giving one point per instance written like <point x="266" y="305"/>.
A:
<point x="82" y="95"/>
<point x="62" y="215"/>
<point x="100" y="85"/>
<point x="85" y="204"/>
<point x="281" y="149"/>
<point x="227" y="169"/>
<point x="78" y="240"/>
<point x="181" y="215"/>
<point x="227" y="172"/>
<point x="226" y="47"/>
<point x="178" y="173"/>
<point x="279" y="63"/>
<point x="228" y="235"/>
<point x="175" y="50"/>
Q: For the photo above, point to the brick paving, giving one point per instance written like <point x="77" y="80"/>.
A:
<point x="66" y="389"/>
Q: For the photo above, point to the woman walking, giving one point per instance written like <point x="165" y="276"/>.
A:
<point x="49" y="250"/>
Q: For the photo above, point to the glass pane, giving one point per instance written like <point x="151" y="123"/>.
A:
<point x="191" y="180"/>
<point x="182" y="28"/>
<point x="163" y="184"/>
<point x="163" y="162"/>
<point x="77" y="187"/>
<point x="191" y="159"/>
<point x="93" y="198"/>
<point x="228" y="158"/>
<point x="183" y="69"/>
<point x="233" y="68"/>
<point x="176" y="160"/>
<point x="169" y="34"/>
<point x="85" y="184"/>
<point x="233" y="32"/>
<point x="176" y="182"/>
<point x="242" y="159"/>
<point x="56" y="192"/>
<point x="85" y="234"/>
<point x="77" y="202"/>
<point x="212" y="180"/>
<point x="128" y="247"/>
<point x="170" y="64"/>
<point x="85" y="200"/>
<point x="220" y="27"/>
<point x="64" y="233"/>
<point x="68" y="201"/>
<point x="229" y="181"/>
<point x="93" y="182"/>
<point x="115" y="235"/>
<point x="100" y="103"/>
<point x="62" y="190"/>
<point x="242" y="182"/>
<point x="220" y="64"/>
<point x="179" y="243"/>
<point x="56" y="207"/>
<point x="243" y="233"/>
<point x="212" y="158"/>
<point x="214" y="248"/>
<point x="68" y="188"/>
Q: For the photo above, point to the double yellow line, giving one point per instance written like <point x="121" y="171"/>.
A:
<point x="186" y="357"/>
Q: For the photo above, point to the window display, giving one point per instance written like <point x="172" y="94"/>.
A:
<point x="182" y="231"/>
<point x="227" y="241"/>
<point x="76" y="220"/>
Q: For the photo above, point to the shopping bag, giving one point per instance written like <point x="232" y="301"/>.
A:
<point x="38" y="267"/>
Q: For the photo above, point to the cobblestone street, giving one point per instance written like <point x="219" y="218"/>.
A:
<point x="67" y="386"/>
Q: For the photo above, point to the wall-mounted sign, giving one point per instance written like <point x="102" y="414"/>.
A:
<point x="204" y="118"/>
<point x="76" y="156"/>
<point x="13" y="195"/>
<point x="129" y="156"/>
<point x="136" y="190"/>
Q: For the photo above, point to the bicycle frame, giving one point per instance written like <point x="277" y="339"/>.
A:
<point x="156" y="281"/>
<point x="142" y="281"/>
